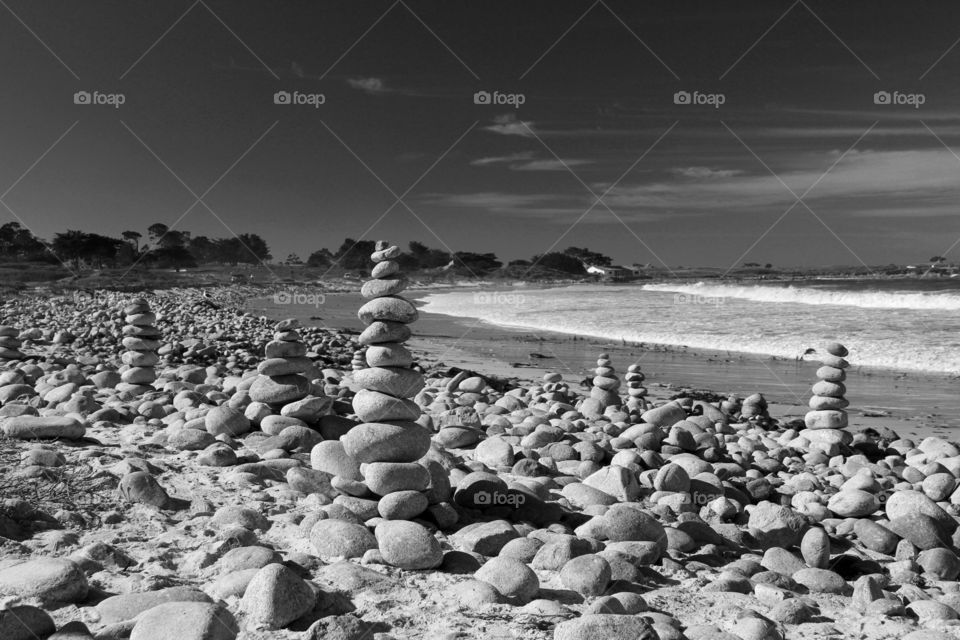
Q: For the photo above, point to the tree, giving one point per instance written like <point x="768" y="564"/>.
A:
<point x="938" y="259"/>
<point x="19" y="243"/>
<point x="589" y="257"/>
<point x="560" y="262"/>
<point x="134" y="237"/>
<point x="427" y="258"/>
<point x="293" y="259"/>
<point x="320" y="258"/>
<point x="71" y="245"/>
<point x="204" y="250"/>
<point x="477" y="263"/>
<point x="157" y="230"/>
<point x="751" y="264"/>
<point x="355" y="254"/>
<point x="255" y="248"/>
<point x="171" y="258"/>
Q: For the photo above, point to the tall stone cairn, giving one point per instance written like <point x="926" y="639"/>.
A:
<point x="359" y="360"/>
<point x="141" y="339"/>
<point x="281" y="381"/>
<point x="635" y="390"/>
<point x="389" y="442"/>
<point x="605" y="383"/>
<point x="10" y="344"/>
<point x="828" y="402"/>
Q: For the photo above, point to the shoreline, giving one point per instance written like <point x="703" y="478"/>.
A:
<point x="913" y="404"/>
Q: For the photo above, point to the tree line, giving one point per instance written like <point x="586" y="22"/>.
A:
<point x="172" y="248"/>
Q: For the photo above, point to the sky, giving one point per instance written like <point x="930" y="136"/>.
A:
<point x="691" y="133"/>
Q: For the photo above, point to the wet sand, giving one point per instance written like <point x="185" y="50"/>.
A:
<point x="915" y="405"/>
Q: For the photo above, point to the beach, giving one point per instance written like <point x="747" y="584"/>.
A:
<point x="914" y="404"/>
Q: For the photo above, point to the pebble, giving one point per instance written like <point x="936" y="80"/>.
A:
<point x="49" y="580"/>
<point x="28" y="427"/>
<point x="588" y="575"/>
<point x="512" y="579"/>
<point x="186" y="621"/>
<point x="333" y="539"/>
<point x="275" y="597"/>
<point x="408" y="545"/>
<point x="604" y="626"/>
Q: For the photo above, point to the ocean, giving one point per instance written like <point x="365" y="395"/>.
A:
<point x="900" y="325"/>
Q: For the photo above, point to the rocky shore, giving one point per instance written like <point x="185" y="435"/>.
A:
<point x="174" y="467"/>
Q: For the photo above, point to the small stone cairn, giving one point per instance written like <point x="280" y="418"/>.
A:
<point x="141" y="339"/>
<point x="281" y="380"/>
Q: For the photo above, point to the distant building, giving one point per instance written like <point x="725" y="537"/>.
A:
<point x="608" y="273"/>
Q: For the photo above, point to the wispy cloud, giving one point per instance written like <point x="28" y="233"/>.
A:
<point x="508" y="125"/>
<point x="373" y="86"/>
<point x="525" y="161"/>
<point x="705" y="172"/>
<point x="508" y="159"/>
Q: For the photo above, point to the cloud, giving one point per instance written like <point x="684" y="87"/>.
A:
<point x="525" y="161"/>
<point x="368" y="85"/>
<point x="702" y="173"/>
<point x="508" y="125"/>
<point x="513" y="157"/>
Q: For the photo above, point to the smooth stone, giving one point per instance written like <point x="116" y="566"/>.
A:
<point x="24" y="622"/>
<point x="511" y="578"/>
<point x="821" y="581"/>
<point x="826" y="419"/>
<point x="139" y="375"/>
<point x="394" y="381"/>
<point x="853" y="503"/>
<point x="921" y="530"/>
<point x="387" y="442"/>
<point x="274" y="390"/>
<point x="330" y="457"/>
<point x="281" y="349"/>
<point x="49" y="580"/>
<point x="384" y="269"/>
<point x="274" y="424"/>
<point x="380" y="332"/>
<point x="128" y="606"/>
<point x="815" y="548"/>
<point x="408" y="545"/>
<point x="824" y="403"/>
<point x="402" y="505"/>
<point x="30" y="427"/>
<point x="340" y="539"/>
<point x="385" y="254"/>
<point x="494" y="452"/>
<point x="276" y="596"/>
<point x="226" y="420"/>
<point x="373" y="406"/>
<point x="388" y="354"/>
<point x="605" y="626"/>
<point x="386" y="477"/>
<point x="875" y="537"/>
<point x="388" y="309"/>
<point x="380" y="287"/>
<point x="186" y="621"/>
<point x="284" y="366"/>
<point x="140" y="486"/>
<point x="588" y="575"/>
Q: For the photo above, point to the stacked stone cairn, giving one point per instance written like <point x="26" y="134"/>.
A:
<point x="281" y="380"/>
<point x="141" y="339"/>
<point x="359" y="360"/>
<point x="754" y="407"/>
<point x="826" y="420"/>
<point x="10" y="344"/>
<point x="388" y="443"/>
<point x="554" y="388"/>
<point x="637" y="402"/>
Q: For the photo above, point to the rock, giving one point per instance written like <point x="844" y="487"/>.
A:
<point x="22" y="622"/>
<point x="909" y="503"/>
<point x="140" y="486"/>
<point x="225" y="420"/>
<point x="402" y="505"/>
<point x="671" y="477"/>
<point x="821" y="581"/>
<point x="387" y="442"/>
<point x="186" y="621"/>
<point x="605" y="626"/>
<point x="941" y="563"/>
<point x="276" y="596"/>
<point x="853" y="503"/>
<point x="486" y="538"/>
<point x="773" y="525"/>
<point x="875" y="537"/>
<point x="512" y="579"/>
<point x="408" y="545"/>
<point x="49" y="580"/>
<point x="494" y="452"/>
<point x="588" y="575"/>
<point x="665" y="415"/>
<point x="922" y="531"/>
<point x="388" y="309"/>
<point x="374" y="406"/>
<point x="619" y="482"/>
<point x="815" y="548"/>
<point x="33" y="427"/>
<point x="386" y="477"/>
<point x="398" y="382"/>
<point x="627" y="523"/>
<point x="128" y="606"/>
<point x="329" y="456"/>
<point x="338" y="539"/>
<point x="278" y="390"/>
